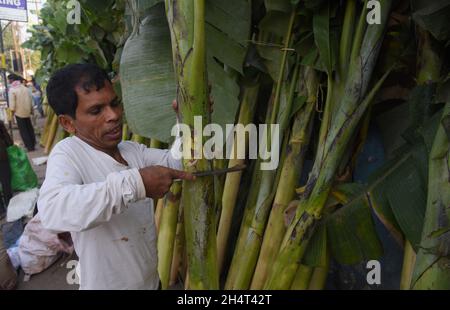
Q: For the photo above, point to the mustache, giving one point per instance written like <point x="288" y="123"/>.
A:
<point x="115" y="127"/>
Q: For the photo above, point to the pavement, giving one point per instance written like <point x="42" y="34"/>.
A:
<point x="57" y="275"/>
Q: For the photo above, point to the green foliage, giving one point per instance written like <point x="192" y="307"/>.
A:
<point x="149" y="84"/>
<point x="94" y="40"/>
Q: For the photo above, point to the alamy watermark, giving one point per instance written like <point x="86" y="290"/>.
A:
<point x="73" y="276"/>
<point x="373" y="15"/>
<point x="264" y="142"/>
<point x="374" y="275"/>
<point x="74" y="13"/>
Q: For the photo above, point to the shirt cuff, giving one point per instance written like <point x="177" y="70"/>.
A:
<point x="139" y="184"/>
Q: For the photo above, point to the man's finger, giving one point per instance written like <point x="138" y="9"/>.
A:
<point x="183" y="175"/>
<point x="175" y="105"/>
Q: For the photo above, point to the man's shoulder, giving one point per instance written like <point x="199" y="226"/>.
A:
<point x="14" y="90"/>
<point x="131" y="145"/>
<point x="67" y="145"/>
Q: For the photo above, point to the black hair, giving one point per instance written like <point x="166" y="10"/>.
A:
<point x="14" y="77"/>
<point x="61" y="93"/>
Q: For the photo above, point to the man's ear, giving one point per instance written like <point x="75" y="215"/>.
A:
<point x="67" y="122"/>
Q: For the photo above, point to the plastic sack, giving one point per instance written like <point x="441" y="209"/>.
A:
<point x="39" y="247"/>
<point x="23" y="176"/>
<point x="22" y="205"/>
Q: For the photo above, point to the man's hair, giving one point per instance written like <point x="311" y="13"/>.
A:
<point x="14" y="77"/>
<point x="61" y="89"/>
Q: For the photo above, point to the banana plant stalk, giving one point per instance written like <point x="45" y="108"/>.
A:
<point x="338" y="127"/>
<point x="137" y="138"/>
<point x="178" y="251"/>
<point x="232" y="180"/>
<point x="302" y="277"/>
<point x="290" y="173"/>
<point x="320" y="274"/>
<point x="187" y="30"/>
<point x="166" y="235"/>
<point x="50" y="114"/>
<point x="51" y="133"/>
<point x="429" y="66"/>
<point x="158" y="212"/>
<point x="125" y="131"/>
<point x="432" y="269"/>
<point x="409" y="260"/>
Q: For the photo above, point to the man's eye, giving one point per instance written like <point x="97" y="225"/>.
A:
<point x="116" y="103"/>
<point x="94" y="111"/>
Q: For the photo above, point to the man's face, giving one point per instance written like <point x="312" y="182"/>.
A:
<point x="98" y="117"/>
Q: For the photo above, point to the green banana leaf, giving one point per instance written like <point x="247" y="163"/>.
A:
<point x="148" y="81"/>
<point x="350" y="230"/>
<point x="433" y="16"/>
<point x="147" y="77"/>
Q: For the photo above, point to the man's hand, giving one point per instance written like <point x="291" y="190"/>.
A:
<point x="158" y="179"/>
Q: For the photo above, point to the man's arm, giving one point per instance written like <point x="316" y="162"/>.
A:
<point x="12" y="101"/>
<point x="157" y="157"/>
<point x="65" y="204"/>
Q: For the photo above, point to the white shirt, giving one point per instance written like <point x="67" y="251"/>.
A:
<point x="102" y="203"/>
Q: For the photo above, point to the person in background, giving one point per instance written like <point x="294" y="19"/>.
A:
<point x="36" y="93"/>
<point x="5" y="171"/>
<point x="21" y="104"/>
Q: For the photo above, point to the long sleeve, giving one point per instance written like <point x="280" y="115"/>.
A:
<point x="12" y="100"/>
<point x="65" y="204"/>
<point x="154" y="157"/>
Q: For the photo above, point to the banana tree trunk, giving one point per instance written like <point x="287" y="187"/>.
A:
<point x="187" y="29"/>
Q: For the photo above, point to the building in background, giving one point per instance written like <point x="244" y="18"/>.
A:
<point x="18" y="59"/>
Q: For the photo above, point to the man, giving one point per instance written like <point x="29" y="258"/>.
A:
<point x="21" y="104"/>
<point x="36" y="93"/>
<point x="99" y="188"/>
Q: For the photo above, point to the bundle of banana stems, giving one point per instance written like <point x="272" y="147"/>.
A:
<point x="347" y="100"/>
<point x="290" y="173"/>
<point x="262" y="193"/>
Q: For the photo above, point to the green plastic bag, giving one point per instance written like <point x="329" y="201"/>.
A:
<point x="23" y="176"/>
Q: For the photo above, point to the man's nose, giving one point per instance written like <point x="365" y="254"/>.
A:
<point x="113" y="113"/>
